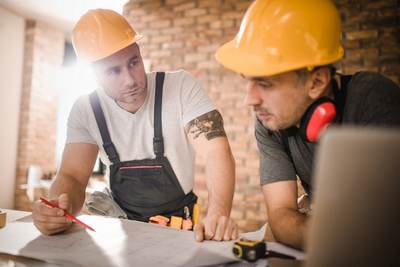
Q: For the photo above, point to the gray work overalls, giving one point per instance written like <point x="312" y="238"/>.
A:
<point x="148" y="187"/>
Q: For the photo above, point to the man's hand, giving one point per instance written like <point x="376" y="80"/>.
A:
<point x="218" y="228"/>
<point x="49" y="220"/>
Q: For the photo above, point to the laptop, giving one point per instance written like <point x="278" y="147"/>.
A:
<point x="356" y="212"/>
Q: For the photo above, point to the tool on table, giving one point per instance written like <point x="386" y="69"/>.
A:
<point x="196" y="213"/>
<point x="66" y="214"/>
<point x="159" y="219"/>
<point x="187" y="223"/>
<point x="251" y="251"/>
<point x="176" y="222"/>
<point x="3" y="218"/>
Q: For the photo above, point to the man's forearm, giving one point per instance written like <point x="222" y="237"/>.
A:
<point x="220" y="178"/>
<point x="289" y="226"/>
<point x="75" y="190"/>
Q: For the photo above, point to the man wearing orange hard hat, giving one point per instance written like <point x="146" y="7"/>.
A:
<point x="147" y="128"/>
<point x="285" y="49"/>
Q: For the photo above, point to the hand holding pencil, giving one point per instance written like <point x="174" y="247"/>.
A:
<point x="51" y="220"/>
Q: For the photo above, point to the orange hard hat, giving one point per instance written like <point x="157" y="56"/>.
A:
<point x="277" y="36"/>
<point x="100" y="33"/>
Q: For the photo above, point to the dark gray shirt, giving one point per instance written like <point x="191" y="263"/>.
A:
<point x="371" y="99"/>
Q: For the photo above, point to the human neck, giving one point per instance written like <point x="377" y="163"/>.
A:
<point x="329" y="93"/>
<point x="130" y="107"/>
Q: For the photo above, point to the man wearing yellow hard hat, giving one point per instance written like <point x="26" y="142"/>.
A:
<point x="147" y="128"/>
<point x="285" y="50"/>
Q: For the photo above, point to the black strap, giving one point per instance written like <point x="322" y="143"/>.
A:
<point x="108" y="145"/>
<point x="158" y="141"/>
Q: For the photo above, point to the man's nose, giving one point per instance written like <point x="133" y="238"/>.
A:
<point x="128" y="78"/>
<point x="252" y="95"/>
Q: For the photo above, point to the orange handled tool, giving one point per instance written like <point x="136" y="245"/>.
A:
<point x="196" y="213"/>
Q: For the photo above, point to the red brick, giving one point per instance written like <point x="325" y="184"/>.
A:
<point x="161" y="39"/>
<point x="183" y="7"/>
<point x="207" y="19"/>
<point x="194" y="57"/>
<point x="210" y="3"/>
<point x="183" y="21"/>
<point x="160" y="24"/>
<point x="382" y="4"/>
<point x="195" y="12"/>
<point x="362" y="34"/>
<point x="174" y="2"/>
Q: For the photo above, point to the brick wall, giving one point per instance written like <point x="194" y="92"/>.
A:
<point x="371" y="36"/>
<point x="44" y="49"/>
<point x="185" y="34"/>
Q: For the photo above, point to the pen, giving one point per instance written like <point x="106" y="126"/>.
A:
<point x="66" y="214"/>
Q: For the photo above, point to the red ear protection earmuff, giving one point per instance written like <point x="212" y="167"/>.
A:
<point x="317" y="118"/>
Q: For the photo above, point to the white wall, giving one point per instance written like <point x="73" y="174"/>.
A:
<point x="11" y="57"/>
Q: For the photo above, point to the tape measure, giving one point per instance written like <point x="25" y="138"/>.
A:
<point x="249" y="250"/>
<point x="3" y="217"/>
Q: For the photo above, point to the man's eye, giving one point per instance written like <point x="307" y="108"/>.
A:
<point x="113" y="71"/>
<point x="133" y="63"/>
<point x="264" y="85"/>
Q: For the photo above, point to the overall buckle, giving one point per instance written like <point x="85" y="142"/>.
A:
<point x="158" y="146"/>
<point x="111" y="152"/>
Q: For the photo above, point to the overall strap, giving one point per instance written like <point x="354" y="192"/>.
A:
<point x="108" y="146"/>
<point x="158" y="141"/>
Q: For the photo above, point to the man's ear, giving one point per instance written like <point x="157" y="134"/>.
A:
<point x="318" y="82"/>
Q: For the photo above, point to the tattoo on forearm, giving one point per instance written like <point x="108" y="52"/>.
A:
<point x="210" y="124"/>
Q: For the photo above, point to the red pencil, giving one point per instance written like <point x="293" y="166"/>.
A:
<point x="66" y="214"/>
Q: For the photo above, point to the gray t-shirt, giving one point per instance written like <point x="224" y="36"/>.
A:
<point x="371" y="99"/>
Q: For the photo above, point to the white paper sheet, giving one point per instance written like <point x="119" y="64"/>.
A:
<point x="115" y="243"/>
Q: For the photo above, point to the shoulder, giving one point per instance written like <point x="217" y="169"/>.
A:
<point x="373" y="98"/>
<point x="79" y="113"/>
<point x="180" y="73"/>
<point x="177" y="79"/>
<point x="81" y="104"/>
<point x="181" y="77"/>
<point x="365" y="84"/>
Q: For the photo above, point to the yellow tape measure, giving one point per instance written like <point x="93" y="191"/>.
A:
<point x="3" y="218"/>
<point x="249" y="250"/>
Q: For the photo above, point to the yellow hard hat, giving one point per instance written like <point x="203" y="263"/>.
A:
<point x="100" y="33"/>
<point x="277" y="36"/>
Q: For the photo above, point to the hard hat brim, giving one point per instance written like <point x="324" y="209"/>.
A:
<point x="133" y="40"/>
<point x="247" y="62"/>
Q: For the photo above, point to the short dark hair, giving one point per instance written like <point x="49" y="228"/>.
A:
<point x="303" y="73"/>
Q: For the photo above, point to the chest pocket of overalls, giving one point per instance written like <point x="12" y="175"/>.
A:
<point x="148" y="187"/>
<point x="146" y="183"/>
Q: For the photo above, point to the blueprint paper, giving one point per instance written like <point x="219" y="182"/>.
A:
<point x="116" y="242"/>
